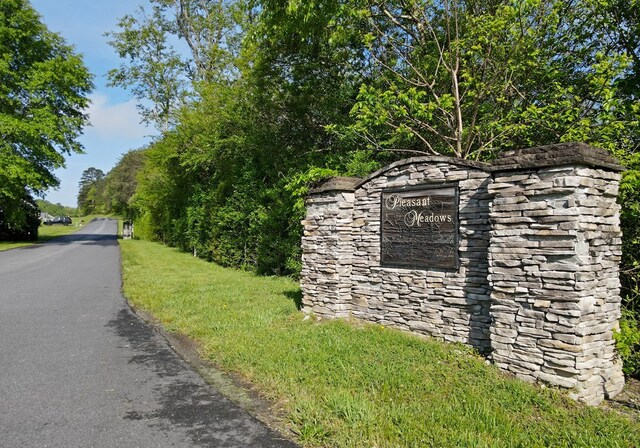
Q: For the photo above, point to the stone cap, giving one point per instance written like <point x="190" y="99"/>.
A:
<point x="556" y="155"/>
<point x="336" y="184"/>
<point x="427" y="159"/>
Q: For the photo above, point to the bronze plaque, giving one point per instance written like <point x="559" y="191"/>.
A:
<point x="420" y="227"/>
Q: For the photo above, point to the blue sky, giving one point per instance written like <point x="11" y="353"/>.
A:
<point x="116" y="126"/>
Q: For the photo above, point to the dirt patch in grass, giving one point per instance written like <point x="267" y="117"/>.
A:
<point x="628" y="401"/>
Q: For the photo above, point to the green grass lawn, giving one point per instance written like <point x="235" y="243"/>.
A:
<point x="348" y="384"/>
<point x="46" y="233"/>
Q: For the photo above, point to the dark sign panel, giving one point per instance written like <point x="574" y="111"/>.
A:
<point x="420" y="227"/>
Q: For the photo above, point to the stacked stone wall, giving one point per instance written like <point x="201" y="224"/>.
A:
<point x="554" y="255"/>
<point x="450" y="304"/>
<point x="327" y="247"/>
<point x="536" y="286"/>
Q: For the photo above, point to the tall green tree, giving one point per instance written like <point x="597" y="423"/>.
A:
<point x="468" y="78"/>
<point x="44" y="89"/>
<point x="121" y="183"/>
<point x="618" y="22"/>
<point x="463" y="78"/>
<point x="161" y="75"/>
<point x="154" y="71"/>
<point x="213" y="30"/>
<point x="91" y="191"/>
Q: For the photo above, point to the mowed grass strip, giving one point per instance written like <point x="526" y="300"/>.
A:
<point x="347" y="384"/>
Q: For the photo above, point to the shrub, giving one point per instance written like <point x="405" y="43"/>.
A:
<point x="628" y="343"/>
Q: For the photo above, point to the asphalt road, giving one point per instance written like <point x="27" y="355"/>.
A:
<point x="79" y="369"/>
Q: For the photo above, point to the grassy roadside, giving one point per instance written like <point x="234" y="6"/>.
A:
<point x="351" y="385"/>
<point x="46" y="233"/>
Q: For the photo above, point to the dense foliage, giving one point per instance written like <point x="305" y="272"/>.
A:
<point x="277" y="94"/>
<point x="468" y="78"/>
<point x="43" y="94"/>
<point x="111" y="193"/>
<point x="90" y="191"/>
<point x="19" y="219"/>
<point x="55" y="209"/>
<point x="629" y="337"/>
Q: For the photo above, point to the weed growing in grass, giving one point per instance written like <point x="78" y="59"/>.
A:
<point x="348" y="384"/>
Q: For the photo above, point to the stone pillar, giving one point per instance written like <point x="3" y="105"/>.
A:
<point x="554" y="253"/>
<point x="327" y="249"/>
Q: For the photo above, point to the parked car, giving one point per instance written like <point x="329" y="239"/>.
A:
<point x="64" y="220"/>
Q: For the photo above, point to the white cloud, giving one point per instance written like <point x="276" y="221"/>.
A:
<point x="119" y="119"/>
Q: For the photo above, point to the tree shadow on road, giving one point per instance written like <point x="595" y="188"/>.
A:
<point x="184" y="399"/>
<point x="89" y="239"/>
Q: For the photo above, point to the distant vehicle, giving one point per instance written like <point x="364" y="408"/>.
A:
<point x="63" y="220"/>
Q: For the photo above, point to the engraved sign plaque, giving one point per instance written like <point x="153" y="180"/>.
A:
<point x="420" y="227"/>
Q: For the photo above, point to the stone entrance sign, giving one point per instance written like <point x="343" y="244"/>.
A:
<point x="518" y="258"/>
